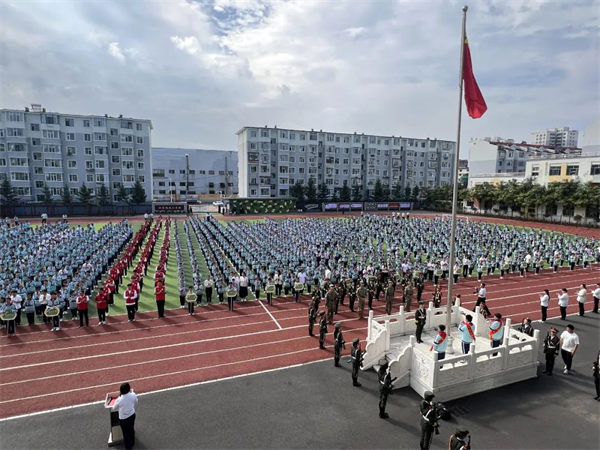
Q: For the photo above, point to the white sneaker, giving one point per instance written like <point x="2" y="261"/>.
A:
<point x="565" y="367"/>
<point x="566" y="372"/>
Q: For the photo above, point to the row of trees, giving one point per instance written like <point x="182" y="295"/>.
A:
<point x="83" y="196"/>
<point x="529" y="196"/>
<point x="310" y="193"/>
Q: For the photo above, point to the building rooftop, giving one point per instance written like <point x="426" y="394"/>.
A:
<point x="335" y="132"/>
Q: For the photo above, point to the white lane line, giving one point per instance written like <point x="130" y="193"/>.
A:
<point x="102" y="369"/>
<point x="158" y="391"/>
<point x="179" y="372"/>
<point x="269" y="313"/>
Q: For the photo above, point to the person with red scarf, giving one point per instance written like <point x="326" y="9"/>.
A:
<point x="130" y="300"/>
<point x="467" y="332"/>
<point x="82" y="308"/>
<point x="440" y="343"/>
<point x="160" y="294"/>
<point x="102" y="305"/>
<point x="496" y="331"/>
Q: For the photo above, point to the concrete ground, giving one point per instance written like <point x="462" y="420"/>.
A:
<point x="315" y="406"/>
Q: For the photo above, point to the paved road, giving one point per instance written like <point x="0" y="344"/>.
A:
<point x="315" y="406"/>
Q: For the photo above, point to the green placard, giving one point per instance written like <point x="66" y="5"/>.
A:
<point x="298" y="286"/>
<point x="52" y="311"/>
<point x="270" y="289"/>
<point x="9" y="315"/>
<point x="231" y="293"/>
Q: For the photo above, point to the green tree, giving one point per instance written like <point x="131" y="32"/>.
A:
<point x="407" y="193"/>
<point x="103" y="196"/>
<point x="378" y="191"/>
<point x="345" y="192"/>
<point x="66" y="197"/>
<point x="47" y="195"/>
<point x="297" y="192"/>
<point x="397" y="192"/>
<point x="415" y="194"/>
<point x="138" y="195"/>
<point x="588" y="196"/>
<point x="357" y="194"/>
<point x="7" y="193"/>
<point x="85" y="194"/>
<point x="485" y="194"/>
<point x="122" y="195"/>
<point x="311" y="190"/>
<point x="323" y="194"/>
<point x="336" y="196"/>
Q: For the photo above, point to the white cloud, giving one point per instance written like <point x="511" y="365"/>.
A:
<point x="115" y="51"/>
<point x="188" y="44"/>
<point x="372" y="67"/>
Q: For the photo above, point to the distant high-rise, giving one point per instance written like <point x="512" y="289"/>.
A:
<point x="271" y="160"/>
<point x="556" y="137"/>
<point x="39" y="148"/>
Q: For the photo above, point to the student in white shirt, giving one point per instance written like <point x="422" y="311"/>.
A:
<point x="544" y="300"/>
<point x="581" y="298"/>
<point x="16" y="300"/>
<point x="596" y="295"/>
<point x="569" y="342"/>
<point x="563" y="302"/>
<point x="125" y="404"/>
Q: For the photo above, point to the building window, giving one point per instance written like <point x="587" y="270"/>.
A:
<point x="554" y="170"/>
<point x="114" y="145"/>
<point x="13" y="116"/>
<point x="50" y="134"/>
<point x="73" y="178"/>
<point x="69" y="122"/>
<point x="35" y="127"/>
<point x="116" y="172"/>
<point x="72" y="164"/>
<point x="595" y="169"/>
<point x="140" y="140"/>
<point x="572" y="170"/>
<point x="140" y="166"/>
<point x="140" y="153"/>
<point x="70" y="136"/>
<point x="535" y="171"/>
<point x="87" y="151"/>
<point x="138" y="126"/>
<point x="99" y="136"/>
<point x="86" y="123"/>
<point x="98" y="122"/>
<point x="87" y="137"/>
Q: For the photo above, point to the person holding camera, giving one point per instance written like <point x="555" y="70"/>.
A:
<point x="458" y="440"/>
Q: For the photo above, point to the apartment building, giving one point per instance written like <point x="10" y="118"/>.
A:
<point x="494" y="155"/>
<point x="271" y="160"/>
<point x="202" y="172"/>
<point x="39" y="148"/>
<point x="556" y="137"/>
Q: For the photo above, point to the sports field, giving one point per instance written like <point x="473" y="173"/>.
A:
<point x="42" y="370"/>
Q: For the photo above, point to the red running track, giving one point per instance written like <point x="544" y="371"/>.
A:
<point x="43" y="370"/>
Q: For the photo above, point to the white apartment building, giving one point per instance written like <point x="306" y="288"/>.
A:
<point x="489" y="156"/>
<point x="271" y="160"/>
<point x="556" y="137"/>
<point x="203" y="172"/>
<point x="39" y="148"/>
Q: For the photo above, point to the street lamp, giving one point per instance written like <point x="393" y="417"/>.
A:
<point x="170" y="190"/>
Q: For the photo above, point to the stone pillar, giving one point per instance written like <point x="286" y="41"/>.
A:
<point x="370" y="322"/>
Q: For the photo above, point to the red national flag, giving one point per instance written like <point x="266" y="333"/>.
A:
<point x="475" y="102"/>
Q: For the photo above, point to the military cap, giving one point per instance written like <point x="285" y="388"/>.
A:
<point x="383" y="362"/>
<point x="428" y="395"/>
<point x="338" y="325"/>
<point x="355" y="341"/>
<point x="461" y="432"/>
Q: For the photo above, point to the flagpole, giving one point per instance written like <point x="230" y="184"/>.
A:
<point x="455" y="190"/>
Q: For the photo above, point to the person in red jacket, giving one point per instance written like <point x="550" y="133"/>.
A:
<point x="82" y="308"/>
<point x="102" y="305"/>
<point x="130" y="300"/>
<point x="109" y="286"/>
<point x="160" y="292"/>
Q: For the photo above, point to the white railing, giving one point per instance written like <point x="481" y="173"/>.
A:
<point x="401" y="365"/>
<point x="377" y="343"/>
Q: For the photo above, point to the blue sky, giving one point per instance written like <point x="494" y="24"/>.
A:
<point x="202" y="70"/>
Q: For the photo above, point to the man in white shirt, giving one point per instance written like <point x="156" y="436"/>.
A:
<point x="302" y="276"/>
<point x="125" y="404"/>
<point x="596" y="295"/>
<point x="481" y="294"/>
<point x="569" y="342"/>
<point x="581" y="298"/>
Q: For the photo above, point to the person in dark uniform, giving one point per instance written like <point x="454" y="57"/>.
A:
<point x="371" y="289"/>
<point x="428" y="420"/>
<point x="331" y="300"/>
<point x="551" y="349"/>
<point x="313" y="312"/>
<point x="356" y="358"/>
<point x="385" y="389"/>
<point x="322" y="330"/>
<point x="338" y="343"/>
<point x="351" y="296"/>
<point x="596" y="375"/>
<point x="389" y="298"/>
<point x="458" y="440"/>
<point x="420" y="319"/>
<point x="420" y="285"/>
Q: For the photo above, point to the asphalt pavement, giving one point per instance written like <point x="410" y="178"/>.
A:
<point x="315" y="406"/>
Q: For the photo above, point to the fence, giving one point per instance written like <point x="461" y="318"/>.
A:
<point x="57" y="210"/>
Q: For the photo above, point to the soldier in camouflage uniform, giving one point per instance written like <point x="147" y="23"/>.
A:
<point x="362" y="293"/>
<point x="313" y="312"/>
<point x="331" y="303"/>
